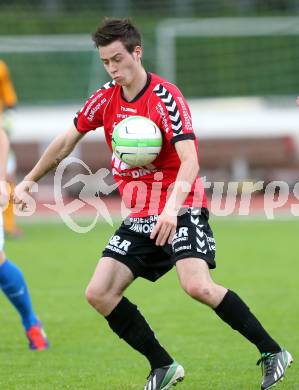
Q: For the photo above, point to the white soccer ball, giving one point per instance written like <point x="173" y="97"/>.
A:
<point x="137" y="141"/>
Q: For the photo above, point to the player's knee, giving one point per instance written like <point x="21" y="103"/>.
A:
<point x="89" y="295"/>
<point x="93" y="296"/>
<point x="202" y="293"/>
<point x="97" y="298"/>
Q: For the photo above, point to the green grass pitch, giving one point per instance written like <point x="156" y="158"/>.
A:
<point x="257" y="259"/>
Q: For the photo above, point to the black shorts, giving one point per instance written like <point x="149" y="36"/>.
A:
<point x="131" y="244"/>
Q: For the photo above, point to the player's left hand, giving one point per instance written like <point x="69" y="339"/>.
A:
<point x="165" y="228"/>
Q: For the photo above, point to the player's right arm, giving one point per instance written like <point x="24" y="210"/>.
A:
<point x="58" y="149"/>
<point x="88" y="118"/>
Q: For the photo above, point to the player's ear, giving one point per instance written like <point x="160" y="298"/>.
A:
<point x="138" y="53"/>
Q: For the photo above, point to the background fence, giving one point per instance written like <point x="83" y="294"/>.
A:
<point x="47" y="45"/>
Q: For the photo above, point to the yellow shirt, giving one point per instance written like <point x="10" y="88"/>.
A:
<point x="8" y="97"/>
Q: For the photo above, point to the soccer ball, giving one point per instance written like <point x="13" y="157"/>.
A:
<point x="137" y="141"/>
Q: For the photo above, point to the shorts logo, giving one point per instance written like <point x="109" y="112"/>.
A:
<point x="119" y="246"/>
<point x="183" y="248"/>
<point x="142" y="224"/>
<point x="180" y="235"/>
<point x="142" y="227"/>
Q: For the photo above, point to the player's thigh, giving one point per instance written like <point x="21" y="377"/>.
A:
<point x="195" y="270"/>
<point x="110" y="277"/>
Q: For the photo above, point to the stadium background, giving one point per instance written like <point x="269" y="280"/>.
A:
<point x="238" y="72"/>
<point x="69" y="75"/>
<point x="242" y="90"/>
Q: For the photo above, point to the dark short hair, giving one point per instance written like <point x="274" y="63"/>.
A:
<point x="112" y="30"/>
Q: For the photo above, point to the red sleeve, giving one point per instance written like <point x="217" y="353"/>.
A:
<point x="177" y="123"/>
<point x="90" y="116"/>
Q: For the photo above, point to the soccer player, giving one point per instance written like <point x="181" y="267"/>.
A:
<point x="12" y="281"/>
<point x="8" y="100"/>
<point x="170" y="227"/>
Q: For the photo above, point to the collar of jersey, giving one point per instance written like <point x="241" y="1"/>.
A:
<point x="148" y="81"/>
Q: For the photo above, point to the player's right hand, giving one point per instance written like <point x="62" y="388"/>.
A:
<point x="21" y="194"/>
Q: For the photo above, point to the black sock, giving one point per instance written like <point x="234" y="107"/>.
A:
<point x="235" y="313"/>
<point x="129" y="324"/>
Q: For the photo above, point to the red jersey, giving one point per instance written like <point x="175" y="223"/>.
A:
<point x="145" y="190"/>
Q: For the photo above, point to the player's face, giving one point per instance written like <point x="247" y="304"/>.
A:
<point x="121" y="65"/>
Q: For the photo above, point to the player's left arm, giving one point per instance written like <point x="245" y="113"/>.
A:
<point x="165" y="227"/>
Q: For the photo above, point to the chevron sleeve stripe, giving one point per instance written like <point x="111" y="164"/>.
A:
<point x="172" y="108"/>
